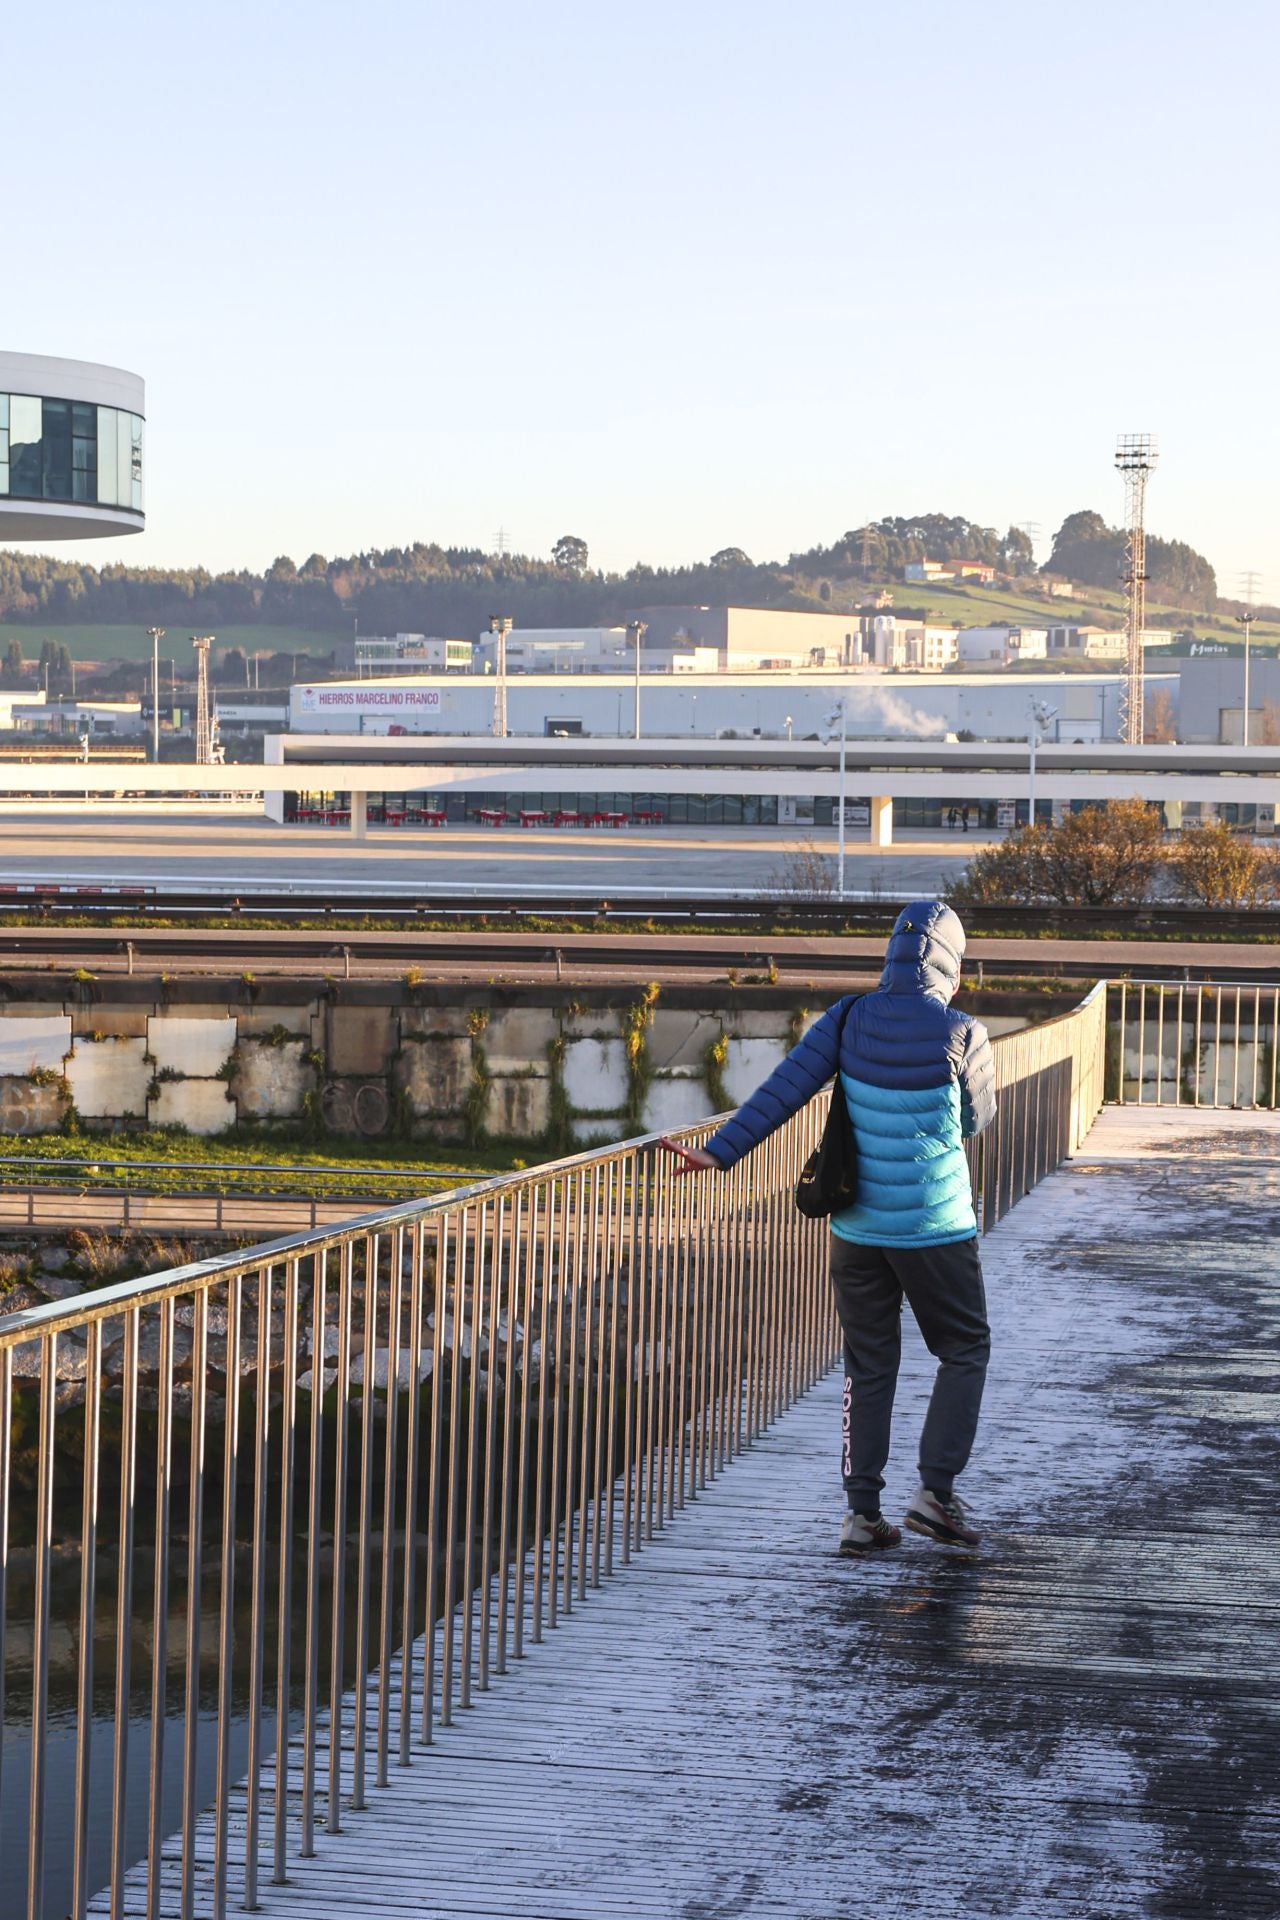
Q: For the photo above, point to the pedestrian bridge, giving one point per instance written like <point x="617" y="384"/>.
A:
<point x="639" y="1680"/>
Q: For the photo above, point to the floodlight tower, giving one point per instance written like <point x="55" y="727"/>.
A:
<point x="204" y="731"/>
<point x="1136" y="456"/>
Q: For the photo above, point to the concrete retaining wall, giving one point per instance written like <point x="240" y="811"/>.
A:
<point x="559" y="1068"/>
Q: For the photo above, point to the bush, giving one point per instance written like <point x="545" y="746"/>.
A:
<point x="1106" y="856"/>
<point x="1006" y="875"/>
<point x="1217" y="868"/>
<point x="806" y="872"/>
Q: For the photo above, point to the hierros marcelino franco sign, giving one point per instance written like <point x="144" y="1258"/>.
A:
<point x="368" y="699"/>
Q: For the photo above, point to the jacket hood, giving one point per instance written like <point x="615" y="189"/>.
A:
<point x="925" y="950"/>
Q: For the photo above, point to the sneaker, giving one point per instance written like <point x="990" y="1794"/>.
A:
<point x="945" y="1520"/>
<point x="861" y="1534"/>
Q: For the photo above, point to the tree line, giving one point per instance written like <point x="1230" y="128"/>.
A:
<point x="1086" y="549"/>
<point x="453" y="590"/>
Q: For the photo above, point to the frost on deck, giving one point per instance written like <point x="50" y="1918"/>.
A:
<point x="1079" y="1724"/>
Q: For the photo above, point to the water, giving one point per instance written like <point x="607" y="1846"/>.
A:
<point x="60" y="1764"/>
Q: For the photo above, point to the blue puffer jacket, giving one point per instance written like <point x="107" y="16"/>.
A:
<point x="917" y="1077"/>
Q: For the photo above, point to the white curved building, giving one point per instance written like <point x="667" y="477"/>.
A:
<point x="71" y="449"/>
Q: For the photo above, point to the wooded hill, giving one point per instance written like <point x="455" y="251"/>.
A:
<point x="453" y="590"/>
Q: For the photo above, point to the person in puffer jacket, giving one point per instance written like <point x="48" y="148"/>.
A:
<point x="918" y="1078"/>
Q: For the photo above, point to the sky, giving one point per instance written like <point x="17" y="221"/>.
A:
<point x="671" y="278"/>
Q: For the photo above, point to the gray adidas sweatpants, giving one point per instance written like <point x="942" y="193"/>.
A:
<point x="943" y="1287"/>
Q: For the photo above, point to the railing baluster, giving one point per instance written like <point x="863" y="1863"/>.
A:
<point x="512" y="1452"/>
<point x="600" y="1284"/>
<point x="80" y="1889"/>
<point x="315" y="1495"/>
<point x="588" y="1270"/>
<point x="6" y="1431"/>
<point x="1235" y="1056"/>
<point x="1195" y="1097"/>
<point x="364" y="1536"/>
<point x="408" y="1597"/>
<point x="528" y="1278"/>
<point x="574" y="1304"/>
<point x="284" y="1620"/>
<point x="656" y="1357"/>
<point x="438" y="1506"/>
<point x="258" y="1588"/>
<point x="544" y="1379"/>
<point x="623" y="1173"/>
<point x="390" y="1477"/>
<point x="337" y="1656"/>
<point x="160" y="1607"/>
<point x="195" y="1528"/>
<point x="477" y="1268"/>
<point x="495" y="1291"/>
<point x="562" y="1271"/>
<point x="226" y="1611"/>
<point x="124" y="1609"/>
<point x="40" y="1626"/>
<point x="457" y="1289"/>
<point x="698" y="1285"/>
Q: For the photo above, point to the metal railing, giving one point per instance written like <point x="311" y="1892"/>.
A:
<point x="177" y="1196"/>
<point x="403" y="1449"/>
<point x="1195" y="1044"/>
<point x="1049" y="1089"/>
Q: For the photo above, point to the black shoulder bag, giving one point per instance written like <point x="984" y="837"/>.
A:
<point x="829" y="1178"/>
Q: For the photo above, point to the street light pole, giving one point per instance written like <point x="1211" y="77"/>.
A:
<point x="637" y="629"/>
<point x="157" y="635"/>
<point x="500" y="626"/>
<point x="842" y="712"/>
<point x="1040" y="715"/>
<point x="844" y="743"/>
<point x="1246" y="620"/>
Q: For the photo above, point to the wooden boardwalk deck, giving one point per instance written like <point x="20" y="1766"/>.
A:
<point x="1081" y="1723"/>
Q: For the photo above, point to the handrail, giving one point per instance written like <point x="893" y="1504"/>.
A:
<point x="104" y="1301"/>
<point x="420" y="1437"/>
<point x="100" y="1162"/>
<point x="146" y="1289"/>
<point x="1175" y="1049"/>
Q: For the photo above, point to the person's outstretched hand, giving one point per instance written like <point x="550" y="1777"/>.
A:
<point x="692" y="1159"/>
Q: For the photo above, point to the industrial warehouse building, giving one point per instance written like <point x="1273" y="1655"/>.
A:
<point x="983" y="706"/>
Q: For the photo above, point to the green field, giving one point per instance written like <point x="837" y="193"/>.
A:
<point x="94" y="643"/>
<point x="1097" y="606"/>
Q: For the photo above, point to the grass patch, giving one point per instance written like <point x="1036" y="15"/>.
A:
<point x="859" y="922"/>
<point x="92" y="642"/>
<point x="240" y="1165"/>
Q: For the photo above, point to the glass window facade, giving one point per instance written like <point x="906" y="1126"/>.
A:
<point x="70" y="450"/>
<point x="683" y="809"/>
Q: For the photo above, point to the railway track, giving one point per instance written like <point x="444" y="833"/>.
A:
<point x="44" y="904"/>
<point x="495" y="955"/>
